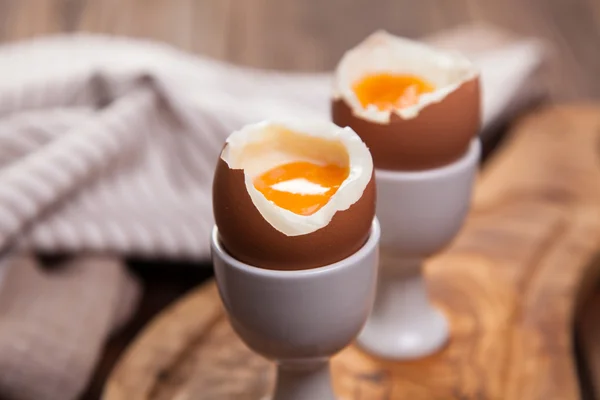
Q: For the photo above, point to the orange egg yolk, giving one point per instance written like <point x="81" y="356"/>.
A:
<point x="387" y="91"/>
<point x="301" y="187"/>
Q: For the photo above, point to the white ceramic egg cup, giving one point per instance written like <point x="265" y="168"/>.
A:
<point x="299" y="319"/>
<point x="420" y="213"/>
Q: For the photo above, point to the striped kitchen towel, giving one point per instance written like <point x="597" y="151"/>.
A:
<point x="109" y="144"/>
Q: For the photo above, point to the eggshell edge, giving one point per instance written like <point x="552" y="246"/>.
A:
<point x="342" y="89"/>
<point x="439" y="135"/>
<point x="349" y="192"/>
<point x="256" y="242"/>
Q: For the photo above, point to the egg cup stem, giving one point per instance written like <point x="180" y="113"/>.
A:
<point x="421" y="212"/>
<point x="403" y="323"/>
<point x="304" y="382"/>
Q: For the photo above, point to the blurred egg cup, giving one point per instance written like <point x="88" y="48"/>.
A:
<point x="420" y="213"/>
<point x="299" y="318"/>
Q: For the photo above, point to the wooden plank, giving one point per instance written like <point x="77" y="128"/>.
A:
<point x="165" y="21"/>
<point x="27" y="19"/>
<point x="312" y="34"/>
<point x="211" y="27"/>
<point x="510" y="285"/>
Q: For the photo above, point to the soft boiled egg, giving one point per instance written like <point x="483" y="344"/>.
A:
<point x="416" y="107"/>
<point x="293" y="194"/>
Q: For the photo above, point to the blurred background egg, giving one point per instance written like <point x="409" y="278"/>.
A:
<point x="293" y="195"/>
<point x="414" y="106"/>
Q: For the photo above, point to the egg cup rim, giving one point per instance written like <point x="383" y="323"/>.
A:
<point x="370" y="245"/>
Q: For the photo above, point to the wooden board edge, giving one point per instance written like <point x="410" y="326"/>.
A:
<point x="178" y="334"/>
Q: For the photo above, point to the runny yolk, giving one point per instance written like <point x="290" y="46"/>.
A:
<point x="301" y="187"/>
<point x="387" y="91"/>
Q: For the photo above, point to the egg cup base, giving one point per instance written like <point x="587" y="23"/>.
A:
<point x="403" y="325"/>
<point x="421" y="213"/>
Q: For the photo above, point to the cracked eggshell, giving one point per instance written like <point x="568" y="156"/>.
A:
<point x="434" y="132"/>
<point x="259" y="233"/>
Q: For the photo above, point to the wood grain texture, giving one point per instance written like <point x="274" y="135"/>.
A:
<point x="311" y="35"/>
<point x="510" y="285"/>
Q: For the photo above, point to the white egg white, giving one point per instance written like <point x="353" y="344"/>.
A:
<point x="382" y="52"/>
<point x="259" y="147"/>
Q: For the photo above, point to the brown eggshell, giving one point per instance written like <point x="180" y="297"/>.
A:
<point x="439" y="135"/>
<point x="248" y="237"/>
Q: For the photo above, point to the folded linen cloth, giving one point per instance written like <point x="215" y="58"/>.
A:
<point x="108" y="145"/>
<point x="53" y="324"/>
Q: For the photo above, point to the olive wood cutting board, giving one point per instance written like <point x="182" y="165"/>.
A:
<point x="510" y="284"/>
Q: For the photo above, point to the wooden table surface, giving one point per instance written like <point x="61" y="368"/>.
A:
<point x="312" y="34"/>
<point x="305" y="35"/>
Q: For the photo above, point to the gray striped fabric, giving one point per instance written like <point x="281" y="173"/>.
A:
<point x="118" y="161"/>
<point x="109" y="144"/>
<point x="53" y="326"/>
